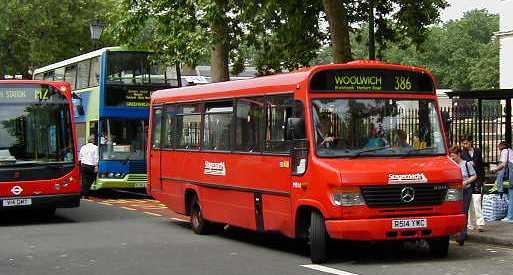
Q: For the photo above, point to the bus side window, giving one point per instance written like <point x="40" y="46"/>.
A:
<point x="169" y="127"/>
<point x="188" y="127"/>
<point x="217" y="128"/>
<point x="249" y="124"/>
<point x="278" y="109"/>
<point x="157" y="127"/>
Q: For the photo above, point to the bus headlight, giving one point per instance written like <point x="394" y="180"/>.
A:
<point x="347" y="196"/>
<point x="454" y="192"/>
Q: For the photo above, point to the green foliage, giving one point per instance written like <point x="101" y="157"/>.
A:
<point x="38" y="32"/>
<point x="460" y="53"/>
<point x="285" y="34"/>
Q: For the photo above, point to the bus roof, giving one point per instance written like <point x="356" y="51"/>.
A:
<point x="283" y="82"/>
<point x="79" y="58"/>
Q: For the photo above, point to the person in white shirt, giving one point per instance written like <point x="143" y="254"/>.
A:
<point x="505" y="167"/>
<point x="88" y="164"/>
<point x="469" y="176"/>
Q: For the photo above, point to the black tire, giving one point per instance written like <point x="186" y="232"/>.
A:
<point x="439" y="247"/>
<point x="199" y="225"/>
<point x="318" y="238"/>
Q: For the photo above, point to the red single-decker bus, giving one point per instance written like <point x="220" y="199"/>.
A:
<point x="38" y="155"/>
<point x="350" y="151"/>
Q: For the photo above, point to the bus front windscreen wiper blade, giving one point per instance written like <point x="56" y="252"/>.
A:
<point x="359" y="153"/>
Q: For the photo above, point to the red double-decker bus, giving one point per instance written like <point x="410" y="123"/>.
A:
<point x="38" y="160"/>
<point x="350" y="151"/>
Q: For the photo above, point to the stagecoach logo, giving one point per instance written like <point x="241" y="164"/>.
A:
<point x="407" y="178"/>
<point x="215" y="168"/>
<point x="16" y="190"/>
<point x="407" y="194"/>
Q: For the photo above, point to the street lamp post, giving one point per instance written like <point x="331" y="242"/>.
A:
<point x="372" y="48"/>
<point x="96" y="29"/>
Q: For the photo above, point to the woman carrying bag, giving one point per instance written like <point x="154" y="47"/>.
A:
<point x="505" y="172"/>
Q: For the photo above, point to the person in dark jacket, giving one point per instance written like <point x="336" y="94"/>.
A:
<point x="474" y="156"/>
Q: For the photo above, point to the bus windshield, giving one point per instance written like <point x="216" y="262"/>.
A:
<point x="123" y="139"/>
<point x="35" y="125"/>
<point x="377" y="127"/>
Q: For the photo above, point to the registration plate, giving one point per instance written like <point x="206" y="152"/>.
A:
<point x="138" y="185"/>
<point x="16" y="202"/>
<point x="408" y="224"/>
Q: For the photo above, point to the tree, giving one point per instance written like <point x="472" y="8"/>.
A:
<point x="181" y="31"/>
<point x="285" y="35"/>
<point x="395" y="20"/>
<point x="461" y="53"/>
<point x="38" y="32"/>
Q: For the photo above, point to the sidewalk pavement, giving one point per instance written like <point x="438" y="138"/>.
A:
<point x="496" y="233"/>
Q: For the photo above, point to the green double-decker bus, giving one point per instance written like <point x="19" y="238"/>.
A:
<point x="111" y="94"/>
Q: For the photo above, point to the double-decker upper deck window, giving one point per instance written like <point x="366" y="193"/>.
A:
<point x="49" y="75"/>
<point x="218" y="126"/>
<point x="83" y="74"/>
<point x="94" y="76"/>
<point x="59" y="74"/>
<point x="70" y="75"/>
<point x="134" y="68"/>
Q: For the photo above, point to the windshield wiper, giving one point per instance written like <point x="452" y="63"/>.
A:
<point x="357" y="154"/>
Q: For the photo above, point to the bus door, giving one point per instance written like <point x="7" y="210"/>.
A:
<point x="154" y="159"/>
<point x="285" y="119"/>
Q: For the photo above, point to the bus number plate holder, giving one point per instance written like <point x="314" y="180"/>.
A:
<point x="409" y="223"/>
<point x="16" y="202"/>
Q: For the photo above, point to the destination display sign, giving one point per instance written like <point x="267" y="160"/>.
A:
<point x="14" y="93"/>
<point x="371" y="80"/>
<point x="128" y="97"/>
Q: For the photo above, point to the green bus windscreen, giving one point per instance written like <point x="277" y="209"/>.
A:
<point x="371" y="80"/>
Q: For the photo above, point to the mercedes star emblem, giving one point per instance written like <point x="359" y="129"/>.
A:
<point x="407" y="194"/>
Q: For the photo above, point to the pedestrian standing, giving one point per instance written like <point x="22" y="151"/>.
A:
<point x="88" y="164"/>
<point x="505" y="170"/>
<point x="469" y="176"/>
<point x="475" y="158"/>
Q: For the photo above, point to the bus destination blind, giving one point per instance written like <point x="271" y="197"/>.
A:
<point x="25" y="94"/>
<point x="371" y="80"/>
<point x="128" y="97"/>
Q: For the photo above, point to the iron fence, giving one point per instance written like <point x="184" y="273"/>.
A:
<point x="487" y="127"/>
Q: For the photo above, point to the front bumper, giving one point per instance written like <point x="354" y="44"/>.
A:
<point x="46" y="201"/>
<point x="381" y="229"/>
<point x="129" y="181"/>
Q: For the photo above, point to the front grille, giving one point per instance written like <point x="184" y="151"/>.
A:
<point x="137" y="167"/>
<point x="137" y="179"/>
<point x="390" y="195"/>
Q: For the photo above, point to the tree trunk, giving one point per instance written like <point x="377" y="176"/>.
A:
<point x="339" y="30"/>
<point x="220" y="50"/>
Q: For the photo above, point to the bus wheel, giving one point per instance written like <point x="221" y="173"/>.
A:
<point x="318" y="238"/>
<point x="199" y="224"/>
<point x="439" y="247"/>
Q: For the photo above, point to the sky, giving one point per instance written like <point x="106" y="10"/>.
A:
<point x="458" y="7"/>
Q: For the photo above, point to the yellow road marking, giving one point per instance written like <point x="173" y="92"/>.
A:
<point x="105" y="203"/>
<point x="128" y="208"/>
<point x="153" y="208"/>
<point x="153" y="214"/>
